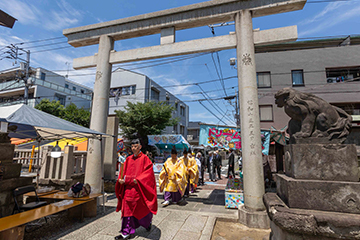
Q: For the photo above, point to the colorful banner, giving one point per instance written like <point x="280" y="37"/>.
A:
<point x="228" y="137"/>
<point x="120" y="145"/>
<point x="157" y="167"/>
<point x="167" y="141"/>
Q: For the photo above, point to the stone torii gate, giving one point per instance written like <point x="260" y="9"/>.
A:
<point x="167" y="22"/>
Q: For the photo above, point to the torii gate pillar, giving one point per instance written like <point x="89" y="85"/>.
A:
<point x="253" y="213"/>
<point x="99" y="111"/>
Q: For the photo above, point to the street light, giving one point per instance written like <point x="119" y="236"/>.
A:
<point x="56" y="151"/>
<point x="232" y="61"/>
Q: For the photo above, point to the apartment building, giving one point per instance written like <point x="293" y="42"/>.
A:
<point x="43" y="84"/>
<point x="135" y="87"/>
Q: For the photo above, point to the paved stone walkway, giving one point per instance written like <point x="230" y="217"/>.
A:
<point x="194" y="220"/>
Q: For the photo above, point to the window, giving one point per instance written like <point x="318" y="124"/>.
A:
<point x="155" y="94"/>
<point x="297" y="77"/>
<point x="182" y="111"/>
<point x="175" y="129"/>
<point x="167" y="99"/>
<point x="66" y="85"/>
<point x="266" y="113"/>
<point x="341" y="74"/>
<point x="133" y="89"/>
<point x="182" y="130"/>
<point x="126" y="91"/>
<point x="60" y="98"/>
<point x="176" y="106"/>
<point x="74" y="88"/>
<point x="42" y="76"/>
<point x="263" y="79"/>
<point x="82" y="91"/>
<point x="122" y="91"/>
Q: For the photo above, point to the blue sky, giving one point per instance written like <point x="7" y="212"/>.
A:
<point x="44" y="19"/>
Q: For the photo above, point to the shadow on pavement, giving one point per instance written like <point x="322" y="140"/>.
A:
<point x="154" y="234"/>
<point x="217" y="197"/>
<point x="61" y="224"/>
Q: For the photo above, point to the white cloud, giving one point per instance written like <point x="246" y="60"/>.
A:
<point x="67" y="16"/>
<point x="202" y="115"/>
<point x="333" y="14"/>
<point x="25" y="13"/>
<point x="62" y="15"/>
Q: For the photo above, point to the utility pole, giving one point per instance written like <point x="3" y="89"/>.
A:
<point x="237" y="116"/>
<point x="13" y="53"/>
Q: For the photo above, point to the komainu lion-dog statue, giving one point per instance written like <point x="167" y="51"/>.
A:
<point x="313" y="120"/>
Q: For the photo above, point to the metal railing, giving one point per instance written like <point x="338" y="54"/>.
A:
<point x="36" y="81"/>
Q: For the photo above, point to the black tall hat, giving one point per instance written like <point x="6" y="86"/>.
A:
<point x="173" y="150"/>
<point x="135" y="139"/>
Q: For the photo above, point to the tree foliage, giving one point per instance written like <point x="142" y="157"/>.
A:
<point x="70" y="113"/>
<point x="148" y="118"/>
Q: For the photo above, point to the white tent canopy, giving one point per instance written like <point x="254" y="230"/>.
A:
<point x="33" y="123"/>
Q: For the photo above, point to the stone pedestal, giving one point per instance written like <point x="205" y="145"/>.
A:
<point x="318" y="197"/>
<point x="336" y="162"/>
<point x="253" y="219"/>
<point x="300" y="224"/>
<point x="6" y="153"/>
<point x="9" y="179"/>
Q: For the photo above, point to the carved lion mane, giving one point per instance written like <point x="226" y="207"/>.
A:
<point x="312" y="116"/>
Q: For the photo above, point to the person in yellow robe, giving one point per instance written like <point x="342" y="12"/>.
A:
<point x="172" y="179"/>
<point x="192" y="173"/>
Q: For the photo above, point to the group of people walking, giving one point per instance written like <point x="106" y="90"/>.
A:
<point x="179" y="177"/>
<point x="136" y="186"/>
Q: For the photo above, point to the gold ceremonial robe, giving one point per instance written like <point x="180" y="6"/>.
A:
<point x="191" y="166"/>
<point x="176" y="179"/>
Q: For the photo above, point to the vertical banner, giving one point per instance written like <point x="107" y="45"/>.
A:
<point x="228" y="137"/>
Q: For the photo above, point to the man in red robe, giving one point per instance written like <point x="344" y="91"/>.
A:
<point x="136" y="192"/>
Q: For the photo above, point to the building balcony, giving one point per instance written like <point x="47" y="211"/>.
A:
<point x="31" y="102"/>
<point x="10" y="85"/>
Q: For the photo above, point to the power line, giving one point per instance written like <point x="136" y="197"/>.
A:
<point x="52" y="49"/>
<point x="211" y="101"/>
<point x="212" y="112"/>
<point x="44" y="45"/>
<point x="40" y="40"/>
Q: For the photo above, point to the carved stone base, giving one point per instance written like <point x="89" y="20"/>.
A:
<point x="319" y="195"/>
<point x="299" y="224"/>
<point x="253" y="219"/>
<point x="335" y="162"/>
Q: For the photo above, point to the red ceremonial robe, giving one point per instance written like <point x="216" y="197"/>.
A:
<point x="137" y="199"/>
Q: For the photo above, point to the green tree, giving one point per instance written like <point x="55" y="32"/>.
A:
<point x="77" y="115"/>
<point x="70" y="113"/>
<point x="148" y="118"/>
<point x="54" y="107"/>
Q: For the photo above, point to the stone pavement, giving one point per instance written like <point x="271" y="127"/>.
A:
<point x="194" y="220"/>
<point x="202" y="217"/>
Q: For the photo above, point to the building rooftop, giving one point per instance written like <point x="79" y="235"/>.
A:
<point x="310" y="44"/>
